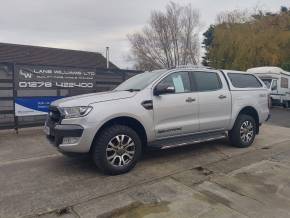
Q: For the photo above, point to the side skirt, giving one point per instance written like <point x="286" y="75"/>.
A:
<point x="187" y="140"/>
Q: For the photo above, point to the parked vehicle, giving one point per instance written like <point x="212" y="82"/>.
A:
<point x="159" y="109"/>
<point x="277" y="81"/>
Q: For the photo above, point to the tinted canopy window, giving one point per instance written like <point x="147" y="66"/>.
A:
<point x="207" y="81"/>
<point x="240" y="80"/>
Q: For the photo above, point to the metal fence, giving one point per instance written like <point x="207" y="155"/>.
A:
<point x="22" y="82"/>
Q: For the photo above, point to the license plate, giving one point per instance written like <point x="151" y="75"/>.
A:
<point x="46" y="130"/>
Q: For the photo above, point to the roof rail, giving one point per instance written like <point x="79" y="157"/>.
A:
<point x="191" y="66"/>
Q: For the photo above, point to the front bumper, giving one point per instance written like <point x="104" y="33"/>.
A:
<point x="57" y="133"/>
<point x="69" y="135"/>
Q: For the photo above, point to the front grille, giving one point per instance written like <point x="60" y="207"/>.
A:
<point x="54" y="114"/>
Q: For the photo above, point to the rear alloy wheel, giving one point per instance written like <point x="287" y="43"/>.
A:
<point x="117" y="149"/>
<point x="244" y="131"/>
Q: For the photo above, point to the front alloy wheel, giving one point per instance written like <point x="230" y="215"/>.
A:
<point x="117" y="149"/>
<point x="120" y="150"/>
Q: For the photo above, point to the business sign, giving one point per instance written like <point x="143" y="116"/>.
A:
<point x="53" y="77"/>
<point x="33" y="105"/>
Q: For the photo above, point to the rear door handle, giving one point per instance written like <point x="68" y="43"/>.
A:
<point x="189" y="100"/>
<point x="222" y="96"/>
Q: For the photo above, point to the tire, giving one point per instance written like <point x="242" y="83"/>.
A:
<point x="238" y="139"/>
<point x="113" y="157"/>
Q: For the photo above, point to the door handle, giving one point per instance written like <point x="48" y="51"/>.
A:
<point x="222" y="96"/>
<point x="189" y="100"/>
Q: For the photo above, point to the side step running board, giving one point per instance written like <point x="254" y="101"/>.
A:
<point x="187" y="140"/>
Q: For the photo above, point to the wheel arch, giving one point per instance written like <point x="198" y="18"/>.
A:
<point x="251" y="111"/>
<point x="135" y="124"/>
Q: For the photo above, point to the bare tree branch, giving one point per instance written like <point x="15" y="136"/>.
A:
<point x="171" y="38"/>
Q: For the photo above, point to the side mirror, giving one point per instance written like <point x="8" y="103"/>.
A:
<point x="163" y="89"/>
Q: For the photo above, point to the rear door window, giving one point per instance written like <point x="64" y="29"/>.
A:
<point x="240" y="80"/>
<point x="207" y="81"/>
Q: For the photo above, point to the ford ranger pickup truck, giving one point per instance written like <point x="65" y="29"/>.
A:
<point x="159" y="109"/>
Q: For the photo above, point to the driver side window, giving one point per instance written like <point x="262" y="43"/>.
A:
<point x="179" y="80"/>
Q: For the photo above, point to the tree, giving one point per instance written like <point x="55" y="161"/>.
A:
<point x="207" y="42"/>
<point x="241" y="40"/>
<point x="284" y="9"/>
<point x="286" y="66"/>
<point x="171" y="38"/>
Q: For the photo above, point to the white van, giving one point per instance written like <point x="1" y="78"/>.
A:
<point x="277" y="81"/>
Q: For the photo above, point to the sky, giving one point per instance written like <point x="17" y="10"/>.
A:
<point x="91" y="25"/>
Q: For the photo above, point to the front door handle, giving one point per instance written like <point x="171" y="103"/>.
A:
<point x="222" y="96"/>
<point x="189" y="100"/>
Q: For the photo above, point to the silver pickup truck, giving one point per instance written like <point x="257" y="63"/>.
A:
<point x="159" y="109"/>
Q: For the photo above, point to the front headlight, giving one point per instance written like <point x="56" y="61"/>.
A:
<point x="74" y="112"/>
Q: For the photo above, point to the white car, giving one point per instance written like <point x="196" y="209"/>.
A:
<point x="159" y="109"/>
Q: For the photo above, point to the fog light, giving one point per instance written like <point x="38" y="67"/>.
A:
<point x="70" y="140"/>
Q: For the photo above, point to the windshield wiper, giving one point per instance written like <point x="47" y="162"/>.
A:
<point x="132" y="90"/>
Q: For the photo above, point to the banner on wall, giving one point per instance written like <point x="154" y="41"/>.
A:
<point x="32" y="106"/>
<point x="43" y="77"/>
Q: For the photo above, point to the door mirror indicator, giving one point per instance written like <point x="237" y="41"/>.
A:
<point x="163" y="89"/>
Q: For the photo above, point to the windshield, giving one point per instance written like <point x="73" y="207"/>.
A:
<point x="139" y="81"/>
<point x="267" y="82"/>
